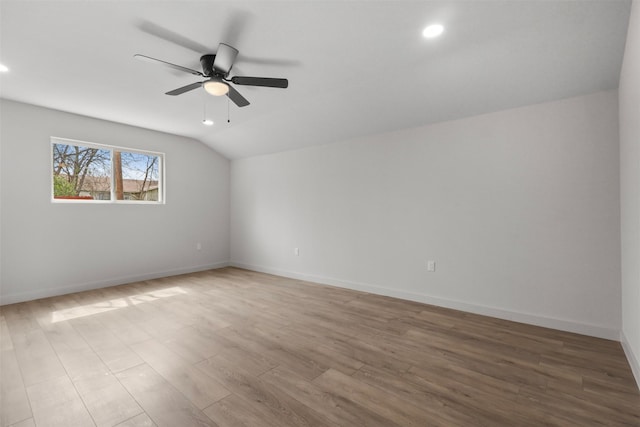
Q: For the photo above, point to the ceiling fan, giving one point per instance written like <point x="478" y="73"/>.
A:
<point x="216" y="69"/>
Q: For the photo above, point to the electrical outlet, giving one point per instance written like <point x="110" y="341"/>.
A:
<point x="431" y="266"/>
<point x="296" y="251"/>
<point x="198" y="246"/>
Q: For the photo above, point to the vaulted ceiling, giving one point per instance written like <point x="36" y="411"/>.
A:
<point x="354" y="67"/>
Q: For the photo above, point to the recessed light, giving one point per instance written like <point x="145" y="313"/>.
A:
<point x="207" y="122"/>
<point x="3" y="68"/>
<point x="432" y="31"/>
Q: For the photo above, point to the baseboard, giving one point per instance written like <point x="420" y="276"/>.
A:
<point x="113" y="281"/>
<point x="631" y="357"/>
<point x="532" y="319"/>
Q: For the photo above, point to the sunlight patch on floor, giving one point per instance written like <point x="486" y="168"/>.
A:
<point x="114" y="304"/>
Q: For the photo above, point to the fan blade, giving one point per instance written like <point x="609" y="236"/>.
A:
<point x="235" y="26"/>
<point x="225" y="56"/>
<point x="168" y="64"/>
<point x="237" y="99"/>
<point x="168" y="35"/>
<point x="261" y="81"/>
<point x="184" y="89"/>
<point x="277" y="62"/>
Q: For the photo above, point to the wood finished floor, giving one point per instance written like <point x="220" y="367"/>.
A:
<point x="231" y="347"/>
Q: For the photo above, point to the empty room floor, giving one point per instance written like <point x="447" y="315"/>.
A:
<point x="231" y="347"/>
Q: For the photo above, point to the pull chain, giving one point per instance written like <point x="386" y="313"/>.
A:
<point x="228" y="114"/>
<point x="205" y="120"/>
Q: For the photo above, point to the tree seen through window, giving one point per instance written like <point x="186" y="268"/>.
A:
<point x="94" y="173"/>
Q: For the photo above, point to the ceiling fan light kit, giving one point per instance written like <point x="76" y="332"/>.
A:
<point x="216" y="87"/>
<point x="216" y="69"/>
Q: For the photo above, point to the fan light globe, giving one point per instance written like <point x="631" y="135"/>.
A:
<point x="216" y="87"/>
<point x="433" y="31"/>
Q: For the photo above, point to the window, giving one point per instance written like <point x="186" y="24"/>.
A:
<point x="90" y="172"/>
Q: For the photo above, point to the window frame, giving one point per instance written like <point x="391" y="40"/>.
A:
<point x="161" y="172"/>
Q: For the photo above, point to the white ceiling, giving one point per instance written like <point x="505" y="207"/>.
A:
<point x="354" y="67"/>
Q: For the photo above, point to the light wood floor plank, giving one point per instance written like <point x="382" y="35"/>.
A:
<point x="106" y="399"/>
<point x="342" y="411"/>
<point x="25" y="423"/>
<point x="237" y="348"/>
<point x="111" y="350"/>
<point x="37" y="359"/>
<point x="200" y="389"/>
<point x="235" y="411"/>
<point x="432" y="399"/>
<point x="165" y="405"/>
<point x="5" y="338"/>
<point x="267" y="402"/>
<point x="14" y="404"/>
<point x="195" y="343"/>
<point x="393" y="408"/>
<point x="56" y="403"/>
<point x="141" y="420"/>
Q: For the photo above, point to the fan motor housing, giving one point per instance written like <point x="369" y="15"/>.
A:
<point x="207" y="64"/>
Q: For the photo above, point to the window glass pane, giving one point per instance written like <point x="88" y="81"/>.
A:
<point x="82" y="173"/>
<point x="87" y="171"/>
<point x="136" y="176"/>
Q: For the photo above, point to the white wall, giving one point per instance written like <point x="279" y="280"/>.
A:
<point x="520" y="210"/>
<point x="50" y="248"/>
<point x="629" y="94"/>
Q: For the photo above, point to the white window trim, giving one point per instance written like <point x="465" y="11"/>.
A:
<point x="112" y="148"/>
